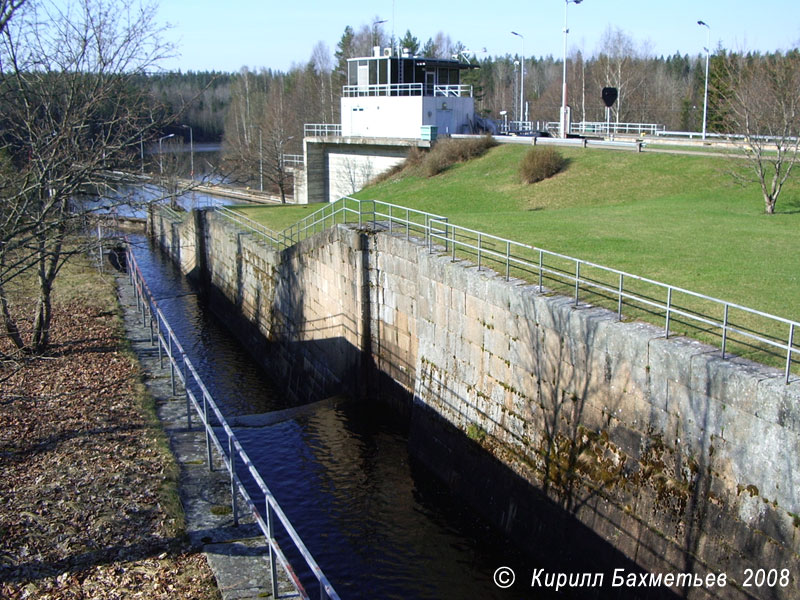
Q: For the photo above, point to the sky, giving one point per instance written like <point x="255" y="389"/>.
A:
<point x="225" y="36"/>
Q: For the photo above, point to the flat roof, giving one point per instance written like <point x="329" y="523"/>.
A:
<point x="423" y="61"/>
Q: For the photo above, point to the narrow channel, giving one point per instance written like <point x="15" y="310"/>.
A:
<point x="378" y="522"/>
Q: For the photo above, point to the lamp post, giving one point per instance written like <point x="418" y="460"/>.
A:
<point x="160" y="159"/>
<point x="375" y="31"/>
<point x="191" y="151"/>
<point x="521" y="76"/>
<point x="705" y="93"/>
<point x="564" y="77"/>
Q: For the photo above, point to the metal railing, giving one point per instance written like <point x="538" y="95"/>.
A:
<point x="273" y="238"/>
<point x="565" y="274"/>
<point x="293" y="160"/>
<point x="170" y="212"/>
<point x="612" y="128"/>
<point x="406" y="89"/>
<point x="654" y="297"/>
<point x="346" y="210"/>
<point x="322" y="130"/>
<point x="269" y="516"/>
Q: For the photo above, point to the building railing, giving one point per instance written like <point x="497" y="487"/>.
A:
<point x="630" y="295"/>
<point x="293" y="160"/>
<point x="268" y="514"/>
<point x="407" y="89"/>
<point x="322" y="130"/>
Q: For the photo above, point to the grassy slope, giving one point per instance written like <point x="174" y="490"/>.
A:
<point x="674" y="218"/>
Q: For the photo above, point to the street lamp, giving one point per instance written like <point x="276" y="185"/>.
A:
<point x="191" y="150"/>
<point x="705" y="94"/>
<point x="160" y="159"/>
<point x="521" y="75"/>
<point x="564" y="79"/>
<point x="375" y="31"/>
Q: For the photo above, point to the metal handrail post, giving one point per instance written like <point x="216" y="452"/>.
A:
<point x="669" y="308"/>
<point x="619" y="300"/>
<point x="789" y="351"/>
<point x="273" y="571"/>
<point x="508" y="261"/>
<point x="188" y="399"/>
<point x="480" y="237"/>
<point x="541" y="272"/>
<point x="724" y="331"/>
<point x="232" y="457"/>
<point x="208" y="433"/>
<point x="577" y="279"/>
<point x="152" y="328"/>
<point x="172" y="372"/>
<point x="158" y="337"/>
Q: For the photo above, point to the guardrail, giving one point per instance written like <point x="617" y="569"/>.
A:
<point x="345" y="210"/>
<point x="610" y="128"/>
<point x="230" y="450"/>
<point x="273" y="238"/>
<point x="322" y="130"/>
<point x="611" y="287"/>
<point x="530" y="262"/>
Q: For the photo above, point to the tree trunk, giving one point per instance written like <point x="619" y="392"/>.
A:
<point x="10" y="325"/>
<point x="41" y="323"/>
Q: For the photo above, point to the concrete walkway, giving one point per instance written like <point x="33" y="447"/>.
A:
<point x="238" y="556"/>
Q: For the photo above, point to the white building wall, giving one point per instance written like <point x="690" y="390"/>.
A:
<point x="348" y="172"/>
<point x="382" y="116"/>
<point x="404" y="116"/>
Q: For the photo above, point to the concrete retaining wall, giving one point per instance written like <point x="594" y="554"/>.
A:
<point x="677" y="458"/>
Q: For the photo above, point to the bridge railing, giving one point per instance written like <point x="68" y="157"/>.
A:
<point x="680" y="310"/>
<point x="268" y="514"/>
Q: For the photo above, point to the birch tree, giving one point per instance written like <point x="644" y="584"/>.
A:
<point x="759" y="98"/>
<point x="73" y="108"/>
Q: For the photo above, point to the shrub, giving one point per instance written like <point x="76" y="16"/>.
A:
<point x="540" y="163"/>
<point x="449" y="151"/>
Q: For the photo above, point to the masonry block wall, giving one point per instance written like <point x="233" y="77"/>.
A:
<point x="676" y="457"/>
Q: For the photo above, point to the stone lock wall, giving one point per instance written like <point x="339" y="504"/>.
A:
<point x="677" y="458"/>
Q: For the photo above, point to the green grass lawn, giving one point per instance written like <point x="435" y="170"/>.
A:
<point x="674" y="218"/>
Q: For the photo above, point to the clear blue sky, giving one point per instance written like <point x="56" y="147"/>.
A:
<point x="214" y="35"/>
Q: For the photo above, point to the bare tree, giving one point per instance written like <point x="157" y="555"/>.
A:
<point x="619" y="67"/>
<point x="73" y="108"/>
<point x="7" y="10"/>
<point x="759" y="98"/>
<point x="260" y="124"/>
